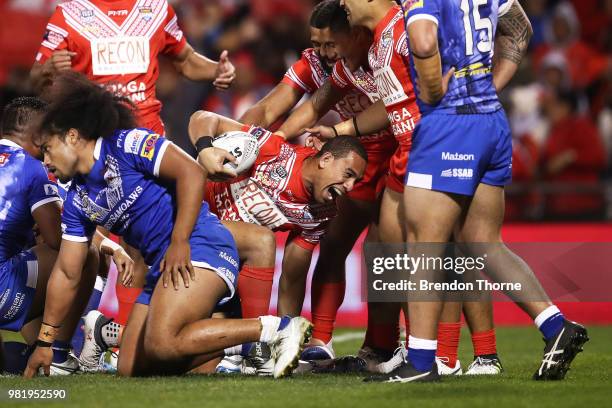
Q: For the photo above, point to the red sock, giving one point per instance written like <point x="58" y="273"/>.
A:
<point x="126" y="297"/>
<point x="255" y="289"/>
<point x="407" y="323"/>
<point x="448" y="342"/>
<point x="326" y="300"/>
<point x="484" y="343"/>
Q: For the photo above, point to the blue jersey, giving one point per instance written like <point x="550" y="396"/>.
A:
<point x="466" y="35"/>
<point x="24" y="186"/>
<point x="122" y="193"/>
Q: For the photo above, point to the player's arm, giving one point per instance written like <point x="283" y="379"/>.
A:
<point x="61" y="292"/>
<point x="273" y="106"/>
<point x="184" y="173"/>
<point x="292" y="284"/>
<point x="371" y="120"/>
<point x="203" y="127"/>
<point x="41" y="75"/>
<point x="123" y="262"/>
<point x="512" y="39"/>
<point x="48" y="218"/>
<point x="309" y="113"/>
<point x="196" y="67"/>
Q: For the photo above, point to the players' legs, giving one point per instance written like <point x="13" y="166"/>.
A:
<point x="328" y="281"/>
<point x="126" y="296"/>
<point x="257" y="250"/>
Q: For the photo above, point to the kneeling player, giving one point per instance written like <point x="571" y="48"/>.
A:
<point x="120" y="180"/>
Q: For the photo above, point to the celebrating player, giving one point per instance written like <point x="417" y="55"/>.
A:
<point x="288" y="188"/>
<point x="117" y="44"/>
<point x="452" y="52"/>
<point x="120" y="179"/>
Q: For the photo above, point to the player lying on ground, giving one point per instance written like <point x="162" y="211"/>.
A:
<point x="356" y="209"/>
<point x="288" y="188"/>
<point x="29" y="196"/>
<point x="139" y="186"/>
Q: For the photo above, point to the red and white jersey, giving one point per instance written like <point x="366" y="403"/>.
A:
<point x="308" y="75"/>
<point x="362" y="86"/>
<point x="389" y="60"/>
<point x="273" y="194"/>
<point x="117" y="44"/>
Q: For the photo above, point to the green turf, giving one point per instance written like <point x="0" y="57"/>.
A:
<point x="587" y="384"/>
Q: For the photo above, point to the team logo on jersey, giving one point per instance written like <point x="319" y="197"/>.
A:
<point x="146" y="13"/>
<point x="148" y="147"/>
<point x="279" y="173"/>
<point x="4" y="158"/>
<point x="51" y="190"/>
<point x="87" y="16"/>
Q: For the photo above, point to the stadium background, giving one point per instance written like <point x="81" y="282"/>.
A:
<point x="559" y="104"/>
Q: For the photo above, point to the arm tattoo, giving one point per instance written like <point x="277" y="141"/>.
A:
<point x="514" y="34"/>
<point x="323" y="98"/>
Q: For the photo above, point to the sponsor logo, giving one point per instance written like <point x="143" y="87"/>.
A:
<point x="255" y="206"/>
<point x="133" y="139"/>
<point x="117" y="13"/>
<point x="228" y="274"/>
<point x="402" y="122"/>
<point x="462" y="174"/>
<point x="146" y="13"/>
<point x="148" y="147"/>
<point x="120" y="55"/>
<point x="410" y="5"/>
<point x="225" y="256"/>
<point x="389" y="87"/>
<point x="15" y="307"/>
<point x="4" y="158"/>
<point x="51" y="190"/>
<point x="457" y="157"/>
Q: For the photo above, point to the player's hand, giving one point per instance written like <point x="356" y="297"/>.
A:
<point x="225" y="72"/>
<point x="446" y="80"/>
<point x="213" y="160"/>
<point x="41" y="357"/>
<point x="319" y="135"/>
<point x="62" y="60"/>
<point x="177" y="262"/>
<point x="314" y="142"/>
<point x="125" y="266"/>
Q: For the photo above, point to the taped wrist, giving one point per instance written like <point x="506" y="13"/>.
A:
<point x="204" y="142"/>
<point x="429" y="70"/>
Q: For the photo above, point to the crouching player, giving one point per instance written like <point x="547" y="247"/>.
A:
<point x="289" y="187"/>
<point x="29" y="197"/>
<point x="138" y="185"/>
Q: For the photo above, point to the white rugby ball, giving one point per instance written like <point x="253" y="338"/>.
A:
<point x="241" y="145"/>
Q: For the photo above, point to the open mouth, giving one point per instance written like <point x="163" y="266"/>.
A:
<point x="335" y="192"/>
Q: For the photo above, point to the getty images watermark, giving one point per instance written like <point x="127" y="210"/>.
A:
<point x="477" y="272"/>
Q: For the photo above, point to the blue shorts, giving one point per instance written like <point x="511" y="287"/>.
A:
<point x="212" y="247"/>
<point x="455" y="153"/>
<point x="18" y="277"/>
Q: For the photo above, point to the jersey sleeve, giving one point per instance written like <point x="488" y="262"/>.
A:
<point x="299" y="76"/>
<point x="504" y="6"/>
<point x="41" y="189"/>
<point x="143" y="150"/>
<point x="75" y="226"/>
<point x="174" y="38"/>
<point x="55" y="37"/>
<point x="309" y="238"/>
<point x="421" y="10"/>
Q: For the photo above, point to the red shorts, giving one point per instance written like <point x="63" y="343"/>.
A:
<point x="397" y="168"/>
<point x="377" y="168"/>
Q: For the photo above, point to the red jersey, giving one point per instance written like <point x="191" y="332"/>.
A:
<point x="273" y="194"/>
<point x="389" y="60"/>
<point x="117" y="44"/>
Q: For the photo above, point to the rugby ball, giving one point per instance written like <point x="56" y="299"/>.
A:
<point x="241" y="145"/>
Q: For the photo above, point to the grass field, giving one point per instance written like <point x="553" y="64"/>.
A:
<point x="587" y="384"/>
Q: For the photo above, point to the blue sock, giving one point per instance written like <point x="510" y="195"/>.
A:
<point x="284" y="322"/>
<point x="246" y="349"/>
<point x="552" y="326"/>
<point x="422" y="360"/>
<point x="79" y="337"/>
<point x="60" y="351"/>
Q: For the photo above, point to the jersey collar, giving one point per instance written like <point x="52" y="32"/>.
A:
<point x="98" y="148"/>
<point x="10" y="143"/>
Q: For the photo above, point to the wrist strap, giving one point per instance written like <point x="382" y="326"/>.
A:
<point x="48" y="332"/>
<point x="357" y="132"/>
<point x="204" y="142"/>
<point x="107" y="242"/>
<point x="335" y="131"/>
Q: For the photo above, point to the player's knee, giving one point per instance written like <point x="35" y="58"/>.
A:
<point x="259" y="248"/>
<point x="161" y="348"/>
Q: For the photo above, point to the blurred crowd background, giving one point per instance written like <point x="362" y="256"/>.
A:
<point x="559" y="104"/>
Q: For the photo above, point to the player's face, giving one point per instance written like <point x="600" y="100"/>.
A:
<point x="337" y="176"/>
<point x="324" y="46"/>
<point x="60" y="157"/>
<point x="353" y="47"/>
<point x="356" y="11"/>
